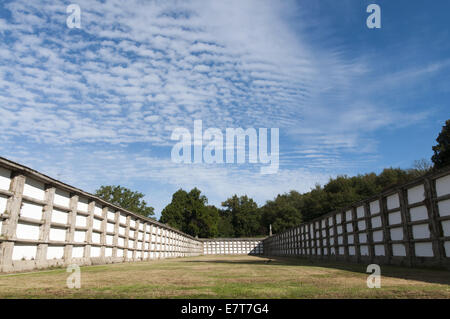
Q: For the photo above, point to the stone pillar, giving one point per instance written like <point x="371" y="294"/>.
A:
<point x="90" y="225"/>
<point x="434" y="224"/>
<point x="70" y="234"/>
<point x="44" y="229"/>
<point x="407" y="233"/>
<point x="103" y="229"/>
<point x="9" y="226"/>
<point x="116" y="233"/>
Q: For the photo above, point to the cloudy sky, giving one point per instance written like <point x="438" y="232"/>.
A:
<point x="97" y="105"/>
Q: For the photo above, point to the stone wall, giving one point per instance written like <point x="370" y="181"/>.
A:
<point x="233" y="246"/>
<point x="407" y="225"/>
<point x="44" y="223"/>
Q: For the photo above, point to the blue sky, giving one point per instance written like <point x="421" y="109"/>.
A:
<point x="97" y="105"/>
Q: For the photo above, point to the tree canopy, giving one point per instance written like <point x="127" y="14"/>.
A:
<point x="441" y="151"/>
<point x="190" y="213"/>
<point x="125" y="198"/>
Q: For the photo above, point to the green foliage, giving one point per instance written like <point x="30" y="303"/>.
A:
<point x="189" y="213"/>
<point x="125" y="198"/>
<point x="245" y="216"/>
<point x="441" y="155"/>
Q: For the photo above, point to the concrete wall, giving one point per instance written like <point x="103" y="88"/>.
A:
<point x="408" y="225"/>
<point x="44" y="223"/>
<point x="233" y="246"/>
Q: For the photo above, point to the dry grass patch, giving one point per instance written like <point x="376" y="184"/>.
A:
<point x="228" y="277"/>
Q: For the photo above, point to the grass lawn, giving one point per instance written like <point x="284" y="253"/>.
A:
<point x="228" y="277"/>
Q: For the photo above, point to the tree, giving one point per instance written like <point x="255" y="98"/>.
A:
<point x="125" y="198"/>
<point x="245" y="216"/>
<point x="190" y="213"/>
<point x="441" y="155"/>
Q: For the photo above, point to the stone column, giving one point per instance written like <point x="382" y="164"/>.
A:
<point x="70" y="234"/>
<point x="9" y="226"/>
<point x="44" y="229"/>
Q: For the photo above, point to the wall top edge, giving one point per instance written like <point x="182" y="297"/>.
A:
<point x="233" y="239"/>
<point x="16" y="167"/>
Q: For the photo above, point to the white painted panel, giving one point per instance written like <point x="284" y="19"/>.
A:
<point x="97" y="224"/>
<point x="77" y="252"/>
<point x="350" y="239"/>
<point x="338" y="219"/>
<point x="119" y="252"/>
<point x="362" y="238"/>
<point x="446" y="227"/>
<point x="339" y="229"/>
<point x="393" y="201"/>
<point x="79" y="236"/>
<point x="140" y="235"/>
<point x="122" y="218"/>
<point x="3" y="201"/>
<point x="57" y="234"/>
<point x="139" y="245"/>
<point x="146" y="255"/>
<point x="111" y="215"/>
<point x="416" y="194"/>
<point x="374" y="207"/>
<point x="360" y="212"/>
<point x="424" y="249"/>
<point x="443" y="185"/>
<point x="110" y="227"/>
<point x="351" y="250"/>
<point x="398" y="250"/>
<point x="33" y="188"/>
<point x="348" y="215"/>
<point x="418" y="213"/>
<point x="133" y="222"/>
<point x="421" y="231"/>
<point x="96" y="238"/>
<point x="364" y="250"/>
<point x="109" y="240"/>
<point x="331" y="231"/>
<point x="362" y="225"/>
<point x="59" y="216"/>
<point x="62" y="198"/>
<point x="81" y="221"/>
<point x="31" y="211"/>
<point x="24" y="252"/>
<point x="447" y="248"/>
<point x="376" y="222"/>
<point x="340" y="240"/>
<point x="330" y="221"/>
<point x="83" y="204"/>
<point x="349" y="227"/>
<point x="379" y="250"/>
<point x="98" y="210"/>
<point x="121" y="242"/>
<point x="377" y="236"/>
<point x="395" y="218"/>
<point x="5" y="178"/>
<point x="444" y="207"/>
<point x="55" y="252"/>
<point x="130" y="254"/>
<point x="141" y="226"/>
<point x="26" y="231"/>
<point x="95" y="251"/>
<point x="108" y="252"/>
<point x="131" y="233"/>
<point x="121" y="230"/>
<point x="397" y="233"/>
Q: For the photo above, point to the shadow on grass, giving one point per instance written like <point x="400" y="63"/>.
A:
<point x="428" y="275"/>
